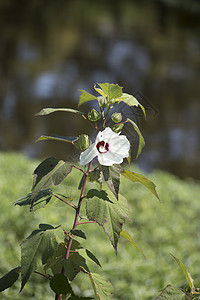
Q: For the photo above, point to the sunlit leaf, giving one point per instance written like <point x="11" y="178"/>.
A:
<point x="37" y="248"/>
<point x="127" y="236"/>
<point x="186" y="273"/>
<point x="131" y="101"/>
<point x="103" y="207"/>
<point x="171" y="293"/>
<point x="41" y="199"/>
<point x="141" y="139"/>
<point x="47" y="111"/>
<point x="99" y="91"/>
<point x="112" y="90"/>
<point x="112" y="177"/>
<point x="102" y="287"/>
<point x="85" y="97"/>
<point x="135" y="177"/>
<point x="69" y="139"/>
<point x="60" y="285"/>
<point x="9" y="279"/>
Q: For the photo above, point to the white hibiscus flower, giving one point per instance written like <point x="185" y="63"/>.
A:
<point x="109" y="147"/>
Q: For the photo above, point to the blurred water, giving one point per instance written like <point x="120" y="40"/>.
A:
<point x="50" y="49"/>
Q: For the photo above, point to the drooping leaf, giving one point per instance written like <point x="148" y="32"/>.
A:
<point x="78" y="233"/>
<point x="71" y="269"/>
<point x="112" y="90"/>
<point x="37" y="248"/>
<point x="51" y="171"/>
<point x="112" y="177"/>
<point x="186" y="273"/>
<point x="9" y="279"/>
<point x="47" y="111"/>
<point x="127" y="236"/>
<point x="85" y="97"/>
<point x="103" y="207"/>
<point x="171" y="293"/>
<point x="68" y="139"/>
<point x="60" y="285"/>
<point x="55" y="262"/>
<point x="131" y="101"/>
<point x="79" y="260"/>
<point x="135" y="177"/>
<point x="41" y="199"/>
<point x="102" y="287"/>
<point x="89" y="256"/>
<point x="141" y="139"/>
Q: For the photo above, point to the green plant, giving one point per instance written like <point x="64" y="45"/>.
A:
<point x="56" y="248"/>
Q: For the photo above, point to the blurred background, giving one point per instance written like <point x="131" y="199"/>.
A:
<point x="50" y="49"/>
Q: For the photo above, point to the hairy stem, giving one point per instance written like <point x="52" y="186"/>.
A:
<point x="57" y="296"/>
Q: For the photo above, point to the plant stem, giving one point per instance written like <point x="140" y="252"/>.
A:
<point x="69" y="244"/>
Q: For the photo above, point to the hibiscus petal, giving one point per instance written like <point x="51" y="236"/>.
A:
<point x="88" y="155"/>
<point x="120" y="145"/>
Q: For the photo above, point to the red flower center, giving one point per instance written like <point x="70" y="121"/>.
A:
<point x="102" y="147"/>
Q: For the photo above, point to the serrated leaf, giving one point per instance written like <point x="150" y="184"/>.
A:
<point x="112" y="90"/>
<point x="102" y="287"/>
<point x="131" y="101"/>
<point x="141" y="139"/>
<point x="171" y="293"/>
<point x="51" y="171"/>
<point x="60" y="285"/>
<point x="47" y="111"/>
<point x="41" y="199"/>
<point x="37" y="248"/>
<point x="135" y="177"/>
<point x="99" y="91"/>
<point x="68" y="139"/>
<point x="127" y="236"/>
<point x="102" y="207"/>
<point x="55" y="261"/>
<point x="71" y="268"/>
<point x="78" y="233"/>
<point x="186" y="273"/>
<point x="85" y="97"/>
<point x="9" y="279"/>
<point x="112" y="178"/>
<point x="89" y="256"/>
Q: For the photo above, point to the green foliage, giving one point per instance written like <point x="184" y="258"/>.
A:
<point x="68" y="139"/>
<point x="141" y="139"/>
<point x="102" y="288"/>
<point x="131" y="101"/>
<point x="9" y="279"/>
<point x="60" y="285"/>
<point x="47" y="111"/>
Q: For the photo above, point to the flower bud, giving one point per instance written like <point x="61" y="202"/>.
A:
<point x="83" y="142"/>
<point x="117" y="127"/>
<point x="93" y="115"/>
<point x="116" y="117"/>
<point x="103" y="102"/>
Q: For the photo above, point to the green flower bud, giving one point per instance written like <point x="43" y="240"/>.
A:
<point x="116" y="117"/>
<point x="83" y="142"/>
<point x="117" y="127"/>
<point x="93" y="115"/>
<point x="103" y="102"/>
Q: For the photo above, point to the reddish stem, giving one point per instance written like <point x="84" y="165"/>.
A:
<point x="86" y="222"/>
<point x="72" y="205"/>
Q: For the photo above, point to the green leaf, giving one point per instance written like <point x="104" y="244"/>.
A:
<point x="37" y="248"/>
<point x="89" y="256"/>
<point x="131" y="101"/>
<point x="141" y="139"/>
<point x="99" y="91"/>
<point x="71" y="268"/>
<point x="51" y="171"/>
<point x="41" y="199"/>
<point x="78" y="233"/>
<point x="79" y="260"/>
<point x="112" y="177"/>
<point x="127" y="236"/>
<point x="85" y="97"/>
<point x="186" y="273"/>
<point x="112" y="90"/>
<point x="74" y="297"/>
<point x="60" y="285"/>
<point x="55" y="262"/>
<point x="102" y="287"/>
<point x="171" y="293"/>
<point x="47" y="111"/>
<point x="69" y="139"/>
<point x="109" y="213"/>
<point x="135" y="177"/>
<point x="9" y="279"/>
